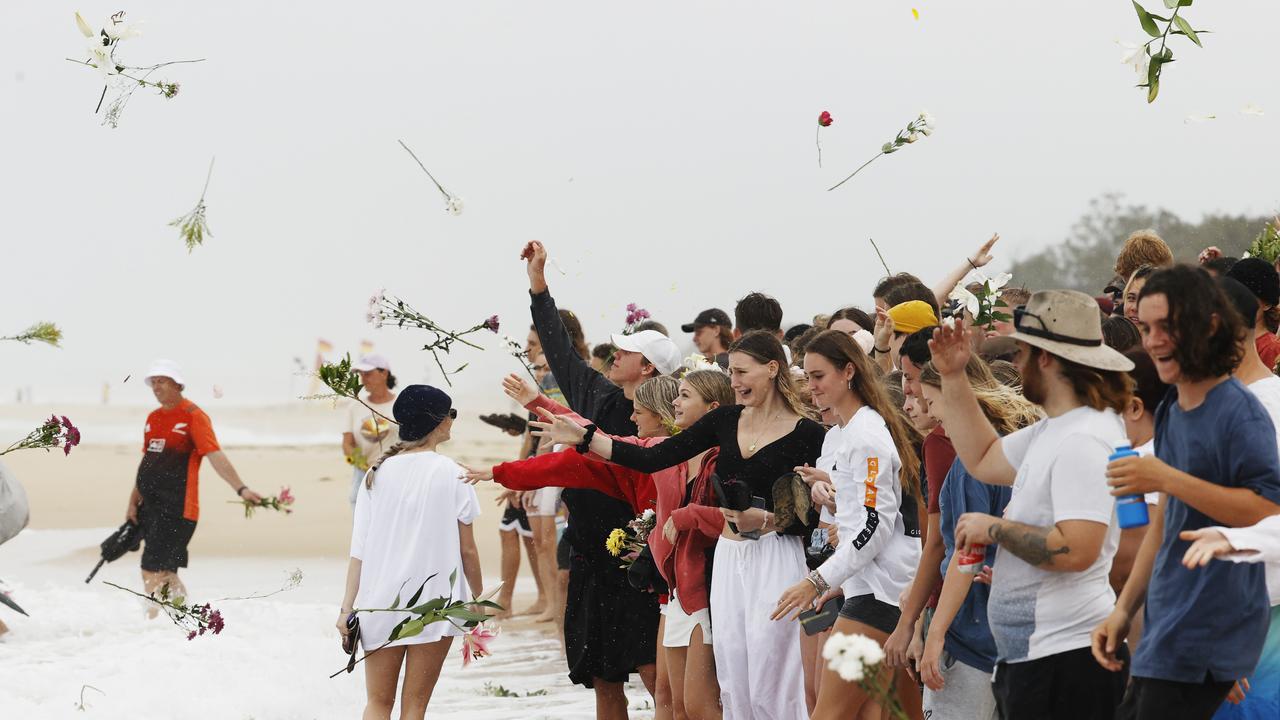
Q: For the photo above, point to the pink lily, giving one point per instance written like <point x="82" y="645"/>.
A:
<point x="475" y="644"/>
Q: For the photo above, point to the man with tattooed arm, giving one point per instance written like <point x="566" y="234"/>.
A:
<point x="1058" y="534"/>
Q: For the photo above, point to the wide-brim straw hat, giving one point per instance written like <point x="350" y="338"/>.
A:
<point x="1066" y="323"/>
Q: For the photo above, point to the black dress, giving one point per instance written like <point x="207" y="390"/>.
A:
<point x="610" y="628"/>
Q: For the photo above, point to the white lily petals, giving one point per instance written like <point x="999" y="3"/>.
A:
<point x="84" y="26"/>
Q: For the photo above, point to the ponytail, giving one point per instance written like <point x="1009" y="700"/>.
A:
<point x="391" y="452"/>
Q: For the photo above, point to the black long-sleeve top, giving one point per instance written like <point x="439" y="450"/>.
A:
<point x="586" y="391"/>
<point x="719" y="428"/>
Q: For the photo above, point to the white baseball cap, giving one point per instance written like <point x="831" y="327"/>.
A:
<point x="371" y="362"/>
<point x="654" y="346"/>
<point x="164" y="368"/>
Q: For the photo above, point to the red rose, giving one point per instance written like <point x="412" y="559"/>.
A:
<point x="825" y="119"/>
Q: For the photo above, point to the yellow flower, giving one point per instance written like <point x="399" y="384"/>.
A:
<point x="616" y="542"/>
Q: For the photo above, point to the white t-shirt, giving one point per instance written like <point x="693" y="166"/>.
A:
<point x="374" y="435"/>
<point x="406" y="529"/>
<point x="1148" y="449"/>
<point x="827" y="462"/>
<point x="1267" y="390"/>
<point x="1062" y="475"/>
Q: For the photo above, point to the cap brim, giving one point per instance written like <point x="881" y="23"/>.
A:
<point x="625" y="342"/>
<point x="689" y="327"/>
<point x="364" y="367"/>
<point x="1098" y="357"/>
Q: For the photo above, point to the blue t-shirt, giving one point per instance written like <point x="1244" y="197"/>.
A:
<point x="1211" y="621"/>
<point x="969" y="638"/>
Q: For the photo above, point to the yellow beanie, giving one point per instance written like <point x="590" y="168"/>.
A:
<point x="911" y="316"/>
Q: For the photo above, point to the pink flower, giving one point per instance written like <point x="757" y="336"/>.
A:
<point x="71" y="435"/>
<point x="491" y="324"/>
<point x="475" y="644"/>
<point x="825" y="119"/>
<point x="631" y="307"/>
<point x="285" y="497"/>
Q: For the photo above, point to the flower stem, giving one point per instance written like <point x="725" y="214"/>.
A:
<point x="817" y="140"/>
<point x="855" y="172"/>
<point x="425" y="170"/>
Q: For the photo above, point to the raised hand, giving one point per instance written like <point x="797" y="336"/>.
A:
<point x="1206" y="545"/>
<point x="474" y="475"/>
<point x="517" y="389"/>
<point x="536" y="255"/>
<point x="950" y="349"/>
<point x="984" y="256"/>
<point x="557" y="428"/>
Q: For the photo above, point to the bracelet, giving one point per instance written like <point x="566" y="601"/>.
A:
<point x="240" y="492"/>
<point x="584" y="447"/>
<point x="819" y="584"/>
<point x="878" y="350"/>
<point x="971" y="263"/>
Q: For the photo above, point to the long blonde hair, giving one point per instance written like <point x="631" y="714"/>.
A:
<point x="764" y="348"/>
<point x="841" y="351"/>
<point x="1005" y="407"/>
<point x="656" y="395"/>
<point x="711" y="386"/>
<point x="391" y="452"/>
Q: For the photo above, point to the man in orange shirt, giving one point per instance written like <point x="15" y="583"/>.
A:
<point x="165" y="500"/>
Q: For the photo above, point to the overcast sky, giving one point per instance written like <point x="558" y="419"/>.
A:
<point x="664" y="151"/>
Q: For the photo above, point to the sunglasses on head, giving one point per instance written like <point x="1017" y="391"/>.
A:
<point x="453" y="413"/>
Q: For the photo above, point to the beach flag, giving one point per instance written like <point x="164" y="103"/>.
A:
<point x="322" y="346"/>
<point x="366" y="347"/>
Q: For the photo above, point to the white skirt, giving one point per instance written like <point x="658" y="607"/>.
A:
<point x="757" y="659"/>
<point x="678" y="630"/>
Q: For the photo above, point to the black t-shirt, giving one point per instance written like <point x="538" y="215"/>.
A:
<point x="719" y="428"/>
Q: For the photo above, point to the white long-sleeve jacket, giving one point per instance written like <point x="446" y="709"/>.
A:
<point x="1258" y="543"/>
<point x="879" y="547"/>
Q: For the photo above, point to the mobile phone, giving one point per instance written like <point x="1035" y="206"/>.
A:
<point x="823" y="618"/>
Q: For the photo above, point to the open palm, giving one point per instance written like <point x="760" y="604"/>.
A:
<point x="949" y="349"/>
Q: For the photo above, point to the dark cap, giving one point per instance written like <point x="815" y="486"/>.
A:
<point x="419" y="409"/>
<point x="1260" y="277"/>
<point x="714" y="316"/>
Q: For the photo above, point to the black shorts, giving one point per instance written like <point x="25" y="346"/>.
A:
<point x="1070" y="685"/>
<point x="165" y="537"/>
<point x="564" y="554"/>
<point x="1166" y="699"/>
<point x="867" y="610"/>
<point x="515" y="519"/>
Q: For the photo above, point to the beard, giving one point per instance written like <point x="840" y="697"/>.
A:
<point x="1033" y="383"/>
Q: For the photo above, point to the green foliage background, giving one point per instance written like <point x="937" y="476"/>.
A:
<point x="1085" y="260"/>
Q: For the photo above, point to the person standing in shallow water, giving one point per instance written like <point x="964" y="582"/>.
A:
<point x="166" y="496"/>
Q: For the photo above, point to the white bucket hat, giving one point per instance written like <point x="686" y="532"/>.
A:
<point x="165" y="368"/>
<point x="1067" y="323"/>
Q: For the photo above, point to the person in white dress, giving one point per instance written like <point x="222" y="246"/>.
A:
<point x="413" y="524"/>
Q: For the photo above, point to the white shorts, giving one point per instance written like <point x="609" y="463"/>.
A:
<point x="678" y="630"/>
<point x="546" y="502"/>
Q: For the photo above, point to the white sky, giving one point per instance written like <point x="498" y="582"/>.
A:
<point x="663" y="151"/>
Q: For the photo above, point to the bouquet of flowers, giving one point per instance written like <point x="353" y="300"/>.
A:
<point x="282" y="502"/>
<point x="463" y="614"/>
<point x="195" y="619"/>
<point x="192" y="227"/>
<point x="1150" y="63"/>
<point x="923" y="125"/>
<point x="55" y="432"/>
<point x="357" y="460"/>
<point x="858" y="658"/>
<point x="388" y="310"/>
<point x="627" y="543"/>
<point x="985" y="305"/>
<point x="45" y="332"/>
<point x="120" y="78"/>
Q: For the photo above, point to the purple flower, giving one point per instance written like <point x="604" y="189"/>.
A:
<point x="191" y="635"/>
<point x="491" y="324"/>
<point x="216" y="623"/>
<point x="631" y="307"/>
<point x="71" y="435"/>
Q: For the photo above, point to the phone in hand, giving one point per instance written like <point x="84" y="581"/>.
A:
<point x="816" y="620"/>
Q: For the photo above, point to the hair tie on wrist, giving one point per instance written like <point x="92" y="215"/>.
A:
<point x="240" y="492"/>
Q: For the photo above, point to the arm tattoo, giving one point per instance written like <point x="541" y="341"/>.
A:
<point x="1031" y="544"/>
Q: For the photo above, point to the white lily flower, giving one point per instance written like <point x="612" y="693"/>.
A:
<point x="100" y="57"/>
<point x="928" y="120"/>
<point x="84" y="26"/>
<point x="913" y="137"/>
<point x="1135" y="56"/>
<point x="489" y="594"/>
<point x="1251" y="109"/>
<point x="967" y="300"/>
<point x="1000" y="280"/>
<point x="453" y="205"/>
<point x="118" y="29"/>
<point x="1202" y="117"/>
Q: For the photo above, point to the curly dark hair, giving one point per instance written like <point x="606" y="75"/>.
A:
<point x="892" y="281"/>
<point x="1204" y="325"/>
<point x="757" y="311"/>
<point x="906" y="292"/>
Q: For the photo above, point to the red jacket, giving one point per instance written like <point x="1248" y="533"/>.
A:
<point x="699" y="523"/>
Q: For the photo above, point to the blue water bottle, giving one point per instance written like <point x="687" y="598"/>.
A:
<point x="1131" y="510"/>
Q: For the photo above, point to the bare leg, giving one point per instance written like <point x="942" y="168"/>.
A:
<point x="541" y="603"/>
<point x="510" y="569"/>
<point x="3" y="628"/>
<point x="611" y="701"/>
<point x="810" y="647"/>
<point x="152" y="582"/>
<point x="663" y="700"/>
<point x="381" y="671"/>
<point x="701" y="689"/>
<point x="544" y="545"/>
<point x="421" y="671"/>
<point x="671" y="662"/>
<point x="839" y="699"/>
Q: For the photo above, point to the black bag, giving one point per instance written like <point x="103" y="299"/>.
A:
<point x="351" y="641"/>
<point x="643" y="573"/>
<point x="126" y="539"/>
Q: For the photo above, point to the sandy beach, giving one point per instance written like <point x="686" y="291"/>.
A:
<point x="274" y="658"/>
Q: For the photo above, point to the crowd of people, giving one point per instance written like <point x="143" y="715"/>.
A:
<point x="1068" y="511"/>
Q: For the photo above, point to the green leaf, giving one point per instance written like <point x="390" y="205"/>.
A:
<point x="1152" y="91"/>
<point x="409" y="629"/>
<point x="428" y="606"/>
<point x="1185" y="27"/>
<point x="398" y="627"/>
<point x="1171" y="4"/>
<point x="414" y="598"/>
<point x="1153" y="79"/>
<point x="1184" y="3"/>
<point x="1002" y="317"/>
<point x="469" y="615"/>
<point x="1144" y="17"/>
<point x="453" y="577"/>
